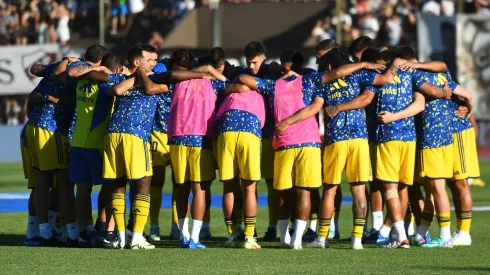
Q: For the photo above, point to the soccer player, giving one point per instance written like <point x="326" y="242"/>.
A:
<point x="191" y="123"/>
<point x="49" y="147"/>
<point x="358" y="46"/>
<point x="346" y="142"/>
<point x="298" y="147"/>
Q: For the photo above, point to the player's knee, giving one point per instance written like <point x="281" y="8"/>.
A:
<point x="391" y="194"/>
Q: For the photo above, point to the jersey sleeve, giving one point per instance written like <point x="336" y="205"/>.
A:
<point x="365" y="77"/>
<point x="113" y="80"/>
<point x="369" y="88"/>
<point x="450" y="82"/>
<point x="265" y="87"/>
<point x="419" y="78"/>
<point x="218" y="86"/>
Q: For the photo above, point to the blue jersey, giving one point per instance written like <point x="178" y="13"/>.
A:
<point x="134" y="112"/>
<point x="197" y="140"/>
<point x="43" y="115"/>
<point x="310" y="84"/>
<point x="395" y="97"/>
<point x="434" y="123"/>
<point x="349" y="124"/>
<point x="160" y="123"/>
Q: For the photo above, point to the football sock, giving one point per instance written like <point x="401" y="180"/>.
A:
<point x="284" y="231"/>
<point x="358" y="227"/>
<point x="196" y="229"/>
<point x="141" y="209"/>
<point x="377" y="218"/>
<point x="118" y="209"/>
<point x="250" y="226"/>
<point x="299" y="228"/>
<point x="444" y="221"/>
<point x="184" y="228"/>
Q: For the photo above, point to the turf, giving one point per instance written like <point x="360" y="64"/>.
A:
<point x="168" y="259"/>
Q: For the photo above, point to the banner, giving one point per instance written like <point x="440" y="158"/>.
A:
<point x="15" y="62"/>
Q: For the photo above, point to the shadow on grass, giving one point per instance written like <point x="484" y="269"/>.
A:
<point x="463" y="268"/>
<point x="11" y="240"/>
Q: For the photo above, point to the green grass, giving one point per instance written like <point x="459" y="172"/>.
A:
<point x="168" y="259"/>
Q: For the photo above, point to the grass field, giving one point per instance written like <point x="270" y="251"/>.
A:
<point x="168" y="259"/>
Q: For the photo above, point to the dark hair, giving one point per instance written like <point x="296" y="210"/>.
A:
<point x="404" y="52"/>
<point x="326" y="45"/>
<point x="287" y="56"/>
<point x="360" y="44"/>
<point x="386" y="55"/>
<point x="135" y="52"/>
<point x="148" y="48"/>
<point x="206" y="60"/>
<point x="218" y="54"/>
<point x="183" y="58"/>
<point x="95" y="53"/>
<point x="254" y="49"/>
<point x="335" y="58"/>
<point x="111" y="61"/>
<point x="370" y="55"/>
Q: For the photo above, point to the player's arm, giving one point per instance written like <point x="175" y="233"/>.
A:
<point x="414" y="108"/>
<point x="303" y="114"/>
<point x="348" y="69"/>
<point x="389" y="75"/>
<point x="474" y="124"/>
<point x="236" y="88"/>
<point x="211" y="70"/>
<point x="38" y="70"/>
<point x="359" y="102"/>
<point x="170" y="77"/>
<point x="121" y="87"/>
<point x="466" y="95"/>
<point x="36" y="98"/>
<point x="432" y="66"/>
<point x="151" y="88"/>
<point x="433" y="91"/>
<point x="248" y="81"/>
<point x="77" y="71"/>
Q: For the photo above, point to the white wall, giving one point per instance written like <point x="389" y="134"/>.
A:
<point x="10" y="143"/>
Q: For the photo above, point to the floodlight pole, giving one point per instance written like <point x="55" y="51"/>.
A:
<point x="216" y="22"/>
<point x="101" y="23"/>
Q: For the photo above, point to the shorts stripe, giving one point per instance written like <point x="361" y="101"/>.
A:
<point x="146" y="156"/>
<point x="462" y="159"/>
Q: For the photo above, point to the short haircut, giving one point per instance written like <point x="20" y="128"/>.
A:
<point x="218" y="54"/>
<point x="135" y="52"/>
<point x="387" y="55"/>
<point x="95" y="53"/>
<point x="370" y="55"/>
<point x="326" y="45"/>
<point x="111" y="61"/>
<point x="148" y="48"/>
<point x="183" y="58"/>
<point x="404" y="52"/>
<point x="254" y="49"/>
<point x="206" y="60"/>
<point x="335" y="58"/>
<point x="287" y="56"/>
<point x="360" y="44"/>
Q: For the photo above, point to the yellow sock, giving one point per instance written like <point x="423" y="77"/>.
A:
<point x="272" y="197"/>
<point x="230" y="226"/>
<point x="250" y="226"/>
<point x="464" y="221"/>
<point x="444" y="219"/>
<point x="358" y="227"/>
<point x="175" y="217"/>
<point x="313" y="216"/>
<point x="323" y="227"/>
<point x="140" y="212"/>
<point x="118" y="209"/>
<point x="426" y="218"/>
<point x="156" y="203"/>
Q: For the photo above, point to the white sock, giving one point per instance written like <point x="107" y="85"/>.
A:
<point x="464" y="234"/>
<point x="409" y="228"/>
<point x="205" y="225"/>
<point x="377" y="219"/>
<point x="422" y="230"/>
<point x="137" y="236"/>
<point x="45" y="231"/>
<point x="184" y="228"/>
<point x="73" y="232"/>
<point x="90" y="228"/>
<point x="196" y="229"/>
<point x="313" y="224"/>
<point x="333" y="225"/>
<point x="385" y="231"/>
<point x="299" y="229"/>
<point x="445" y="232"/>
<point x="32" y="227"/>
<point x="400" y="228"/>
<point x="273" y="226"/>
<point x="52" y="219"/>
<point x="122" y="236"/>
<point x="284" y="231"/>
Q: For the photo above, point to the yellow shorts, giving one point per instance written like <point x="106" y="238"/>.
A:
<point x="126" y="155"/>
<point x="49" y="151"/>
<point x="351" y="156"/>
<point x="191" y="164"/>
<point x="267" y="161"/>
<point x="215" y="154"/>
<point x="298" y="167"/>
<point x="436" y="163"/>
<point x="373" y="155"/>
<point x="465" y="155"/>
<point x="396" y="162"/>
<point x="239" y="153"/>
<point x="27" y="165"/>
<point x="160" y="150"/>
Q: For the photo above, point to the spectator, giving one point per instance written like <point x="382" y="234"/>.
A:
<point x="432" y="7"/>
<point x="62" y="30"/>
<point x="7" y="25"/>
<point x="12" y="110"/>
<point x="394" y="29"/>
<point x="119" y="11"/>
<point x="368" y="25"/>
<point x="323" y="30"/>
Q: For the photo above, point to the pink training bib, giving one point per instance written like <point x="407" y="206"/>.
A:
<point x="288" y="100"/>
<point x="251" y="102"/>
<point x="192" y="111"/>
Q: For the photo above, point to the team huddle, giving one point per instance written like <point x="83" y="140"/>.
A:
<point x="390" y="122"/>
